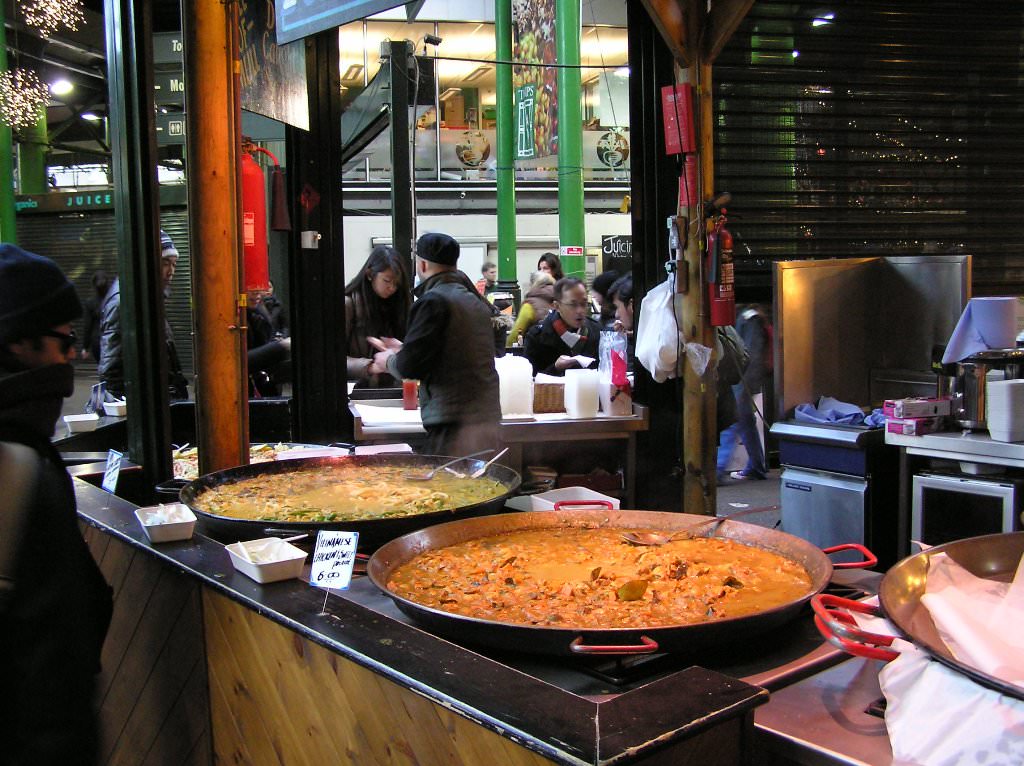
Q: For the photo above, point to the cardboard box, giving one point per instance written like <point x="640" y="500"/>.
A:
<point x="915" y="408"/>
<point x="914" y="426"/>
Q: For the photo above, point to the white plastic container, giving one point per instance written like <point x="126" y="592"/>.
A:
<point x="166" y="523"/>
<point x="545" y="501"/>
<point x="81" y="423"/>
<point x="582" y="397"/>
<point x="515" y="385"/>
<point x="116" y="409"/>
<point x="268" y="559"/>
<point x="1005" y="410"/>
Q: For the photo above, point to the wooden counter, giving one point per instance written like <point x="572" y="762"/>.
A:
<point x="203" y="664"/>
<point x="548" y="428"/>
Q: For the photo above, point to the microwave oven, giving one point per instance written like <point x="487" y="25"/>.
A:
<point x="948" y="507"/>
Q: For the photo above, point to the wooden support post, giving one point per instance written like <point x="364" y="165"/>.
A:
<point x="213" y="127"/>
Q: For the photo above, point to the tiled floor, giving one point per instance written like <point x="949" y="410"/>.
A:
<point x="736" y="496"/>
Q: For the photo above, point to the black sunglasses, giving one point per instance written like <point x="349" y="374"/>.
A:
<point x="67" y="339"/>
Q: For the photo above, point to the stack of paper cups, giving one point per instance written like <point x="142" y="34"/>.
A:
<point x="1004" y="405"/>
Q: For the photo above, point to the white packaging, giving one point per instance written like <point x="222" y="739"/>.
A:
<point x="545" y="501"/>
<point x="582" y="393"/>
<point x="515" y="385"/>
<point x="268" y="559"/>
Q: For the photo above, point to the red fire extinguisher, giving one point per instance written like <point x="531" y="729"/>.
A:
<point x="254" y="216"/>
<point x="720" y="274"/>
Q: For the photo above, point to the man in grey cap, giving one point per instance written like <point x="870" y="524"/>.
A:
<point x="110" y="364"/>
<point x="55" y="606"/>
<point x="449" y="348"/>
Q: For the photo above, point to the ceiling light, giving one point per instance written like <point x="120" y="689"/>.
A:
<point x="61" y="87"/>
<point x="449" y="93"/>
<point x="477" y="73"/>
<point x="353" y="72"/>
<point x="90" y="117"/>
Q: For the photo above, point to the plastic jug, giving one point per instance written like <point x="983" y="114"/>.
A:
<point x="581" y="393"/>
<point x="515" y="385"/>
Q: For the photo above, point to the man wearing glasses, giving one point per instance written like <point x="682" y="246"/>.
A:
<point x="555" y="345"/>
<point x="54" y="603"/>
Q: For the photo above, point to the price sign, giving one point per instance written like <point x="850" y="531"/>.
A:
<point x="112" y="470"/>
<point x="333" y="559"/>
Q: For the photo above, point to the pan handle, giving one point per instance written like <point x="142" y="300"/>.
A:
<point x="562" y="505"/>
<point x="647" y="646"/>
<point x="870" y="559"/>
<point x="840" y="629"/>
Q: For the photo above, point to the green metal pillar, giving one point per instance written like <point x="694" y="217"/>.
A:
<point x="506" y="149"/>
<point x="32" y="156"/>
<point x="8" y="229"/>
<point x="570" y="138"/>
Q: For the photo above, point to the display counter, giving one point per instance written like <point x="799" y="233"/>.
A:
<point x="201" y="660"/>
<point x="383" y="421"/>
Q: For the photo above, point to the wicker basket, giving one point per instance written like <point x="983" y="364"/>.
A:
<point x="548" y="397"/>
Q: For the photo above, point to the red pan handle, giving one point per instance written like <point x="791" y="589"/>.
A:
<point x="840" y="629"/>
<point x="562" y="505"/>
<point x="648" y="646"/>
<point x="870" y="559"/>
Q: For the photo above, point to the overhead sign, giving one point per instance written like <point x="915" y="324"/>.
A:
<point x="168" y="48"/>
<point x="170" y="128"/>
<point x="301" y="18"/>
<point x="169" y="88"/>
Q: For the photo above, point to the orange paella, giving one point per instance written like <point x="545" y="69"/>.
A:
<point x="592" y="578"/>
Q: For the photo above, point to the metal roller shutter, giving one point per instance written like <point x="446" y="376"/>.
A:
<point x="84" y="243"/>
<point x="885" y="129"/>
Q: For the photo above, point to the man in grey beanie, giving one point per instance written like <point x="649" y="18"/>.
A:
<point x="449" y="348"/>
<point x="55" y="606"/>
<point x="110" y="364"/>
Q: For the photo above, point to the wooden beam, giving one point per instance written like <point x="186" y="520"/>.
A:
<point x="213" y="125"/>
<point x="678" y="21"/>
<point x="723" y="19"/>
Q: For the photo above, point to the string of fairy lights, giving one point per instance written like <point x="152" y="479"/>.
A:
<point x="22" y="91"/>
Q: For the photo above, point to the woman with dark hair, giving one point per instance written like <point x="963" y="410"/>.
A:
<point x="377" y="304"/>
<point x="552" y="264"/>
<point x="621" y="295"/>
<point x="602" y="308"/>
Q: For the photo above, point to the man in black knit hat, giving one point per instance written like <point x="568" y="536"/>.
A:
<point x="54" y="603"/>
<point x="449" y="348"/>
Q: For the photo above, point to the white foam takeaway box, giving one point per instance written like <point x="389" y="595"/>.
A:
<point x="268" y="559"/>
<point x="81" y="423"/>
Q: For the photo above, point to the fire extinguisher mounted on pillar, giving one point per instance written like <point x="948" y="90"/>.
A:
<point x="254" y="215"/>
<point x="719" y="266"/>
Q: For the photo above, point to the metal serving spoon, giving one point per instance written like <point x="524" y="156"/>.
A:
<point x="482" y="469"/>
<point x="428" y="475"/>
<point x="656" y="538"/>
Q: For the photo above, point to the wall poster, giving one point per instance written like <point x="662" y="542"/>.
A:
<point x="535" y="87"/>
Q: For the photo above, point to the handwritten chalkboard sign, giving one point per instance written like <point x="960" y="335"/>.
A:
<point x="301" y="18"/>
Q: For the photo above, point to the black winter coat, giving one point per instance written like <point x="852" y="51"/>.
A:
<point x="52" y="630"/>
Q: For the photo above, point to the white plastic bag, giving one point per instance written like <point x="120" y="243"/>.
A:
<point x="657" y="338"/>
<point x="936" y="715"/>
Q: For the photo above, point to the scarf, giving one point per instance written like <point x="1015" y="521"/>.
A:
<point x="573" y="340"/>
